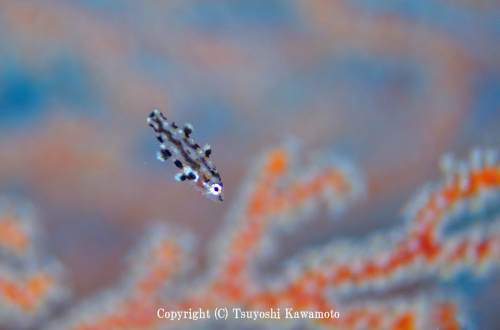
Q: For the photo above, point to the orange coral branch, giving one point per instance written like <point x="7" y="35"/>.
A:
<point x="28" y="288"/>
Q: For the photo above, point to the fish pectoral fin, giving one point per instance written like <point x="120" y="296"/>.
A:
<point x="163" y="154"/>
<point x="180" y="177"/>
<point x="207" y="150"/>
<point x="188" y="129"/>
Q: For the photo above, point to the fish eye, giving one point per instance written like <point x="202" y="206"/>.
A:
<point x="215" y="189"/>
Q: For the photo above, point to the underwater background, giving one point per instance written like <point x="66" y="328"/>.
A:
<point x="332" y="124"/>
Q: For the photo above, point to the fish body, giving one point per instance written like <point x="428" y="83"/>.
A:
<point x="192" y="160"/>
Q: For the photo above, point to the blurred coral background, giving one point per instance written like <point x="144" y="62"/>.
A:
<point x="390" y="86"/>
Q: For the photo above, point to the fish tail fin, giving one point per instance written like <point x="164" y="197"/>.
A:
<point x="156" y="116"/>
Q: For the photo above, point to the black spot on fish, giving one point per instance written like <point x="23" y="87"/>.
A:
<point x="208" y="152"/>
<point x="196" y="146"/>
<point x="178" y="163"/>
<point x="187" y="130"/>
<point x="191" y="176"/>
<point x="183" y="177"/>
<point x="165" y="154"/>
<point x="159" y="138"/>
<point x="174" y="125"/>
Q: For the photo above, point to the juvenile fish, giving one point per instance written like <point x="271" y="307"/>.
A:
<point x="191" y="160"/>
